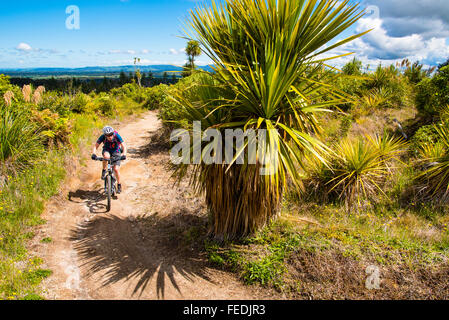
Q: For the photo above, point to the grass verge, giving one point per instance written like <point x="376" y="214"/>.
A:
<point x="322" y="252"/>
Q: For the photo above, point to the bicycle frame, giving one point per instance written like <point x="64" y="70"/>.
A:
<point x="110" y="179"/>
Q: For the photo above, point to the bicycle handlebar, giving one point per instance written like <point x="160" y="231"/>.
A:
<point x="112" y="159"/>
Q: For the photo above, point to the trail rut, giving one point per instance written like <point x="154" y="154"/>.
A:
<point x="138" y="249"/>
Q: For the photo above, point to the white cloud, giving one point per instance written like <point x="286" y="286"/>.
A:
<point x="147" y="62"/>
<point x="410" y="38"/>
<point x="122" y="51"/>
<point x="381" y="45"/>
<point x="24" y="47"/>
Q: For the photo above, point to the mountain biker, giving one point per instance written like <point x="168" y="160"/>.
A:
<point x="113" y="146"/>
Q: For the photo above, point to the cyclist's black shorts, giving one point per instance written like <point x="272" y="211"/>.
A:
<point x="114" y="154"/>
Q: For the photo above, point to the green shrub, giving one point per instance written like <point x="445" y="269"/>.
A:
<point x="131" y="91"/>
<point x="349" y="85"/>
<point x="6" y="86"/>
<point x="36" y="276"/>
<point x="426" y="135"/>
<point x="415" y="72"/>
<point x="57" y="103"/>
<point x="426" y="98"/>
<point x="392" y="83"/>
<point x="79" y="103"/>
<point x="353" y="68"/>
<point x="345" y="125"/>
<point x="106" y="104"/>
<point x="432" y="95"/>
<point x="154" y="97"/>
<point x="33" y="296"/>
<point x="56" y="130"/>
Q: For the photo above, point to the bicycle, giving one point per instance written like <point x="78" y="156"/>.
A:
<point x="110" y="181"/>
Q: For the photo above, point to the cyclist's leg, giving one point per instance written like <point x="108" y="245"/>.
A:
<point x="106" y="156"/>
<point x="117" y="173"/>
<point x="116" y="166"/>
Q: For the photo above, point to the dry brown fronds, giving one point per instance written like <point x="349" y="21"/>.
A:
<point x="26" y="91"/>
<point x="239" y="199"/>
<point x="40" y="89"/>
<point x="37" y="97"/>
<point x="8" y="96"/>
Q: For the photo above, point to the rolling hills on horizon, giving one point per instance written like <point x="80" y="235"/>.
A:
<point x="92" y="71"/>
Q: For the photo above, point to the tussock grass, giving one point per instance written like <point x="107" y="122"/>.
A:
<point x="20" y="140"/>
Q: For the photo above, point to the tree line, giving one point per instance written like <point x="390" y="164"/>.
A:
<point x="97" y="84"/>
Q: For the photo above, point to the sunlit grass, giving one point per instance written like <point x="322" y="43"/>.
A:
<point x="21" y="202"/>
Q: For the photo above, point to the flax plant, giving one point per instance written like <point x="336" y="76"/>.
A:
<point x="433" y="182"/>
<point x="268" y="74"/>
<point x="20" y="140"/>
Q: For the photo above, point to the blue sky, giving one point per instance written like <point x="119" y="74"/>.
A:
<point x="113" y="32"/>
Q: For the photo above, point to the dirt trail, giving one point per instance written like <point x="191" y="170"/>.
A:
<point x="138" y="250"/>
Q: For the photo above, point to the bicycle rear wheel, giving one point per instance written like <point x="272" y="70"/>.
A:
<point x="108" y="192"/>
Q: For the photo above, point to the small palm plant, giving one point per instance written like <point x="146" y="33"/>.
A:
<point x="359" y="169"/>
<point x="375" y="99"/>
<point x="390" y="148"/>
<point x="268" y="75"/>
<point x="433" y="181"/>
<point x="379" y="78"/>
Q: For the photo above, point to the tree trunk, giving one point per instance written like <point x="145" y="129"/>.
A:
<point x="239" y="200"/>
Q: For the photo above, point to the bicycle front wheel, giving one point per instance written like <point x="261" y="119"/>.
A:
<point x="108" y="183"/>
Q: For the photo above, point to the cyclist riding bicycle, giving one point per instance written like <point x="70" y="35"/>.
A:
<point x="113" y="146"/>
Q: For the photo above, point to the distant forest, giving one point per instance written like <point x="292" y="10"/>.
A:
<point x="98" y="84"/>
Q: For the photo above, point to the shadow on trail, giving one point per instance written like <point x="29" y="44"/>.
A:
<point x="144" y="248"/>
<point x="157" y="144"/>
<point x="91" y="198"/>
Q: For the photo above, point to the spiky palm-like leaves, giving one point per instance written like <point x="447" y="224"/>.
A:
<point x="267" y="76"/>
<point x="20" y="140"/>
<point x="433" y="181"/>
<point x="358" y="169"/>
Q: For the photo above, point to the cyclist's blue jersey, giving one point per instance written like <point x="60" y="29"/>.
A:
<point x="111" y="146"/>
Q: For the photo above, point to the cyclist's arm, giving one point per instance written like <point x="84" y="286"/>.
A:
<point x="124" y="148"/>
<point x="94" y="151"/>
